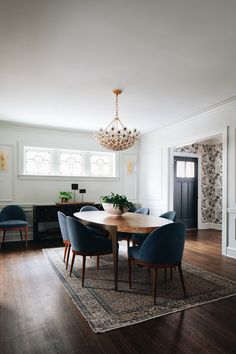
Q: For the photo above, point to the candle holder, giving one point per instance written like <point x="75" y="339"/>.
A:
<point x="82" y="191"/>
<point x="74" y="187"/>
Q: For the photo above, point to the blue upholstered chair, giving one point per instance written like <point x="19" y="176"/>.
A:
<point x="85" y="243"/>
<point x="163" y="248"/>
<point x="97" y="230"/>
<point x="65" y="236"/>
<point x="89" y="208"/>
<point x="127" y="236"/>
<point x="12" y="218"/>
<point x="170" y="215"/>
<point x="139" y="238"/>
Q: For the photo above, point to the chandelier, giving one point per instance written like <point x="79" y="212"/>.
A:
<point x="116" y="136"/>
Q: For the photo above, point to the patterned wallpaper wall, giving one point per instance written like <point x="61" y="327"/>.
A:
<point x="211" y="184"/>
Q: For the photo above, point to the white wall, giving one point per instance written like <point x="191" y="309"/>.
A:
<point x="28" y="191"/>
<point x="154" y="167"/>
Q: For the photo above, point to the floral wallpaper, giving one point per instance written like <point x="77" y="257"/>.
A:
<point x="211" y="184"/>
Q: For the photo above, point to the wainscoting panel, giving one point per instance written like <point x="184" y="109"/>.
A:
<point x="231" y="249"/>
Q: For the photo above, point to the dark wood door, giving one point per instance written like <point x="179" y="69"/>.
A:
<point x="186" y="190"/>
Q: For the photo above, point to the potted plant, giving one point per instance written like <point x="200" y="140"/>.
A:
<point x="116" y="204"/>
<point x="65" y="196"/>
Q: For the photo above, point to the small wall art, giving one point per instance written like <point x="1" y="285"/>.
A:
<point x="6" y="172"/>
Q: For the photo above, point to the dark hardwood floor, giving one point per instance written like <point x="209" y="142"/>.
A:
<point x="37" y="315"/>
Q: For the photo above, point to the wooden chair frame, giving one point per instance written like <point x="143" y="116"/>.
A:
<point x="18" y="228"/>
<point x="155" y="268"/>
<point x="84" y="255"/>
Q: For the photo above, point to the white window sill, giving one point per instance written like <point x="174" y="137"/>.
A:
<point x="66" y="178"/>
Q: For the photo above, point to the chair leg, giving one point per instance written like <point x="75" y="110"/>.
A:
<point x="171" y="273"/>
<point x="65" y="251"/>
<point x="130" y="270"/>
<point x="154" y="285"/>
<point x="182" y="279"/>
<point x="97" y="262"/>
<point x="83" y="269"/>
<point x="26" y="236"/>
<point x="127" y="243"/>
<point x="21" y="235"/>
<point x="72" y="263"/>
<point x="68" y="256"/>
<point x="3" y="237"/>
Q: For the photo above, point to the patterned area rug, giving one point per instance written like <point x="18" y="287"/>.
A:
<point x="106" y="309"/>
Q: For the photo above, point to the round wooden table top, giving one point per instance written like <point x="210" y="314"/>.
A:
<point x="128" y="222"/>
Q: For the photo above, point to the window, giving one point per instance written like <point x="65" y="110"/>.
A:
<point x="37" y="161"/>
<point x="63" y="162"/>
<point x="185" y="169"/>
<point x="71" y="164"/>
<point x="101" y="165"/>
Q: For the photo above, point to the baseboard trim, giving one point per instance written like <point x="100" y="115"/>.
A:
<point x="210" y="226"/>
<point x="231" y="252"/>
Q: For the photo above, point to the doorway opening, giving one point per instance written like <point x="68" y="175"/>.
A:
<point x="198" y="195"/>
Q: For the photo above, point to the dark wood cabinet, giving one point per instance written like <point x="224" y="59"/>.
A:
<point x="45" y="219"/>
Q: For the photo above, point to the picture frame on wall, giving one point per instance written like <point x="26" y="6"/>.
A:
<point x="6" y="173"/>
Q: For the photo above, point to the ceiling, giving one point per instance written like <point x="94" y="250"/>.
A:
<point x="61" y="59"/>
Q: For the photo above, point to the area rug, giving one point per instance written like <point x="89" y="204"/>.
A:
<point x="106" y="309"/>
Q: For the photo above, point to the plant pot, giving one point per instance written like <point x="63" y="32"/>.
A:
<point x="114" y="211"/>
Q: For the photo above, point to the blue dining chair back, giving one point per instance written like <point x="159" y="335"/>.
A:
<point x="63" y="226"/>
<point x="12" y="217"/>
<point x="145" y="211"/>
<point x="89" y="208"/>
<point x="81" y="238"/>
<point x="164" y="245"/>
<point x="65" y="236"/>
<point x="12" y="212"/>
<point x="170" y="215"/>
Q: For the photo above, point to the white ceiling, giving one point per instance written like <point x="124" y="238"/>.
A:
<point x="60" y="60"/>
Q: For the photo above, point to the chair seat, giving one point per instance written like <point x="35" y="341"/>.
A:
<point x="10" y="224"/>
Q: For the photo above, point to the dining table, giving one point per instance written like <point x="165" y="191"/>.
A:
<point x="127" y="222"/>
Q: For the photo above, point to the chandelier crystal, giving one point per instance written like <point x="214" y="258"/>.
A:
<point x="116" y="136"/>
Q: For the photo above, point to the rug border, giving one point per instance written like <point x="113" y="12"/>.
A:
<point x="69" y="290"/>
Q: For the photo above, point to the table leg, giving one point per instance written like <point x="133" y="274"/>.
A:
<point x="113" y="234"/>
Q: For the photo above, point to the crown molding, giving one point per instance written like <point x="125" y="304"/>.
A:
<point x="11" y="124"/>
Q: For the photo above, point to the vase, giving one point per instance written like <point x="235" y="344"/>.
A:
<point x="114" y="211"/>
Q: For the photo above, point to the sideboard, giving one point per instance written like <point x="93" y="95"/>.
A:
<point x="45" y="221"/>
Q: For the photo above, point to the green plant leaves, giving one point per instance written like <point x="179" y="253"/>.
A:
<point x="117" y="200"/>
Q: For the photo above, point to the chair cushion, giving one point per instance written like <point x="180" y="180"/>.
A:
<point x="9" y="224"/>
<point x="134" y="252"/>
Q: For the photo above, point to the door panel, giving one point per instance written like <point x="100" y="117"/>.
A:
<point x="185" y="190"/>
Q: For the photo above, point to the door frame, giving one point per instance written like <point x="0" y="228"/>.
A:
<point x="171" y="186"/>
<point x="224" y="133"/>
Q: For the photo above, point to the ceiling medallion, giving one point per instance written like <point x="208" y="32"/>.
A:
<point x="116" y="136"/>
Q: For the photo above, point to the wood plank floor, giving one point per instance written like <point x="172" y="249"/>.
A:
<point x="37" y="315"/>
